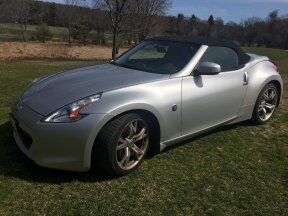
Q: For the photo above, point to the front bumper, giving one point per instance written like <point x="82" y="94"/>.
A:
<point x="65" y="146"/>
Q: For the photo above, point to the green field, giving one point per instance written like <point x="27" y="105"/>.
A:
<point x="12" y="32"/>
<point x="240" y="169"/>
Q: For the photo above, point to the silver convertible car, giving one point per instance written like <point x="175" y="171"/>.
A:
<point x="165" y="90"/>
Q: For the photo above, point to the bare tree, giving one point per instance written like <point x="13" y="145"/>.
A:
<point x="7" y="11"/>
<point x="147" y="13"/>
<point x="192" y="25"/>
<point x="71" y="14"/>
<point x="101" y="24"/>
<point x="16" y="11"/>
<point x="22" y="13"/>
<point x="116" y="9"/>
<point x="2" y="15"/>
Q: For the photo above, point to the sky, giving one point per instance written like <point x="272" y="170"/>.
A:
<point x="228" y="10"/>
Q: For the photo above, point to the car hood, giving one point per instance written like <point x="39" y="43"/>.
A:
<point x="53" y="92"/>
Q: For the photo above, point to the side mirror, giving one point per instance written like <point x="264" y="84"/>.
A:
<point x="208" y="68"/>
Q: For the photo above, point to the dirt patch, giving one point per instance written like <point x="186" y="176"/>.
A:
<point x="30" y="50"/>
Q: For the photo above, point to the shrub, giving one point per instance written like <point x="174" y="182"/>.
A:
<point x="43" y="32"/>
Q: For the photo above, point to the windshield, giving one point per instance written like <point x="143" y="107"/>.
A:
<point x="162" y="57"/>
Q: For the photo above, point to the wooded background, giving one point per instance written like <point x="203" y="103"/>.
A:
<point x="128" y="22"/>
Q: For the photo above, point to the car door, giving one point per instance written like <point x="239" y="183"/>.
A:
<point x="209" y="100"/>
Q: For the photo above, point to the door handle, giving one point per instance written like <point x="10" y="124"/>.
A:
<point x="245" y="79"/>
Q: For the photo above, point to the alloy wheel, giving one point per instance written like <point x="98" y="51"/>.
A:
<point x="132" y="144"/>
<point x="267" y="104"/>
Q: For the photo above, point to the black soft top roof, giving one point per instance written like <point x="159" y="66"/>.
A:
<point x="243" y="57"/>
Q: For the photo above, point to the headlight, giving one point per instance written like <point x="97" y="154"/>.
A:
<point x="71" y="112"/>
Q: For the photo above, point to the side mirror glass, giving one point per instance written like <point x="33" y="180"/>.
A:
<point x="208" y="68"/>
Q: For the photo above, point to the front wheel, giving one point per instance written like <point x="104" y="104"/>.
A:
<point x="122" y="144"/>
<point x="266" y="104"/>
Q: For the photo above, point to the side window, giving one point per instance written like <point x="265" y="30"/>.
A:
<point x="226" y="57"/>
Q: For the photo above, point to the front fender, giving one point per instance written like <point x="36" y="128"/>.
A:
<point x="155" y="97"/>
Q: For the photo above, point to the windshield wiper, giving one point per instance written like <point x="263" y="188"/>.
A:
<point x="113" y="62"/>
<point x="124" y="65"/>
<point x="134" y="68"/>
<point x="129" y="67"/>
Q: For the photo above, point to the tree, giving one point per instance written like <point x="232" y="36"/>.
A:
<point x="35" y="12"/>
<point x="52" y="14"/>
<point x="9" y="11"/>
<point x="180" y="24"/>
<point x="81" y="31"/>
<point x="249" y="30"/>
<point x="273" y="15"/>
<point x="219" y="28"/>
<point x="71" y="14"/>
<point x="211" y="23"/>
<point x="193" y="20"/>
<point x="272" y="20"/>
<point x="116" y="9"/>
<point x="192" y="23"/>
<point x="43" y="32"/>
<point x="171" y="26"/>
<point x="146" y="15"/>
<point x="219" y="21"/>
<point x="100" y="21"/>
<point x="18" y="11"/>
<point x="2" y="10"/>
<point x="211" y="20"/>
<point x="23" y="16"/>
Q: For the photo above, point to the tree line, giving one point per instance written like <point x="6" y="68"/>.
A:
<point x="128" y="22"/>
<point x="271" y="32"/>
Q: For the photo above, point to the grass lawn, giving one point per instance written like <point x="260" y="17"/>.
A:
<point x="240" y="169"/>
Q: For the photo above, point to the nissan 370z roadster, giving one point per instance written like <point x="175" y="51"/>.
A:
<point x="163" y="91"/>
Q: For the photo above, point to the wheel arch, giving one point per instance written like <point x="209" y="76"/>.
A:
<point x="279" y="89"/>
<point x="152" y="121"/>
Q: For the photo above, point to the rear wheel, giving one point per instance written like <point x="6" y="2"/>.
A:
<point x="265" y="104"/>
<point x="122" y="144"/>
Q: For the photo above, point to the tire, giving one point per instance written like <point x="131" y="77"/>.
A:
<point x="265" y="100"/>
<point x="122" y="145"/>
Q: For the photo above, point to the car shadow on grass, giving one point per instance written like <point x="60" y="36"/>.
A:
<point x="247" y="123"/>
<point x="14" y="163"/>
